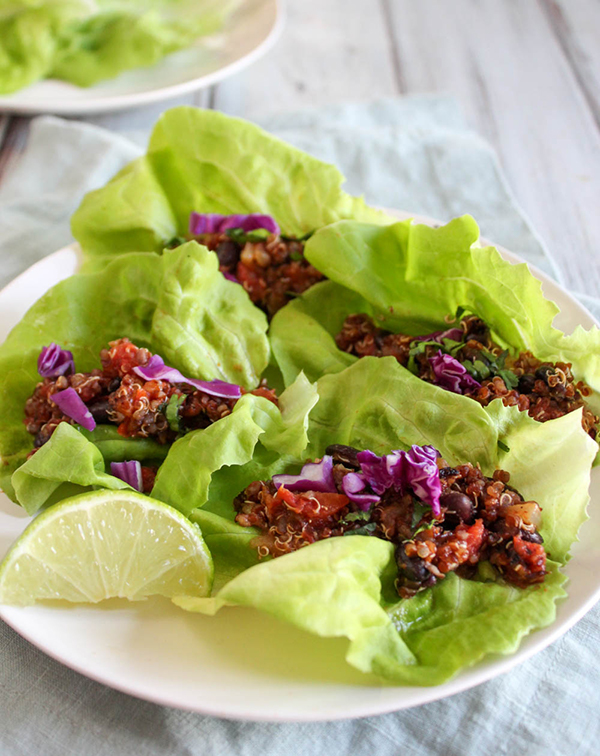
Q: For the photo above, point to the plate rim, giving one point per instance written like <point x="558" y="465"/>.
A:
<point x="487" y="669"/>
<point x="117" y="103"/>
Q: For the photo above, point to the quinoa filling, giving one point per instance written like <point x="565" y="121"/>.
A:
<point x="479" y="519"/>
<point x="466" y="360"/>
<point x="115" y="394"/>
<point x="271" y="268"/>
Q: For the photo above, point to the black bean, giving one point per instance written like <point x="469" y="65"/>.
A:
<point x="458" y="504"/>
<point x="228" y="253"/>
<point x="448" y="472"/>
<point x="114" y="385"/>
<point x="347" y="455"/>
<point x="99" y="410"/>
<point x="531" y="537"/>
<point x="543" y="372"/>
<point x="526" y="383"/>
<point x="411" y="569"/>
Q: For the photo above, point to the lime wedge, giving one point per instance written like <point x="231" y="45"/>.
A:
<point x="106" y="544"/>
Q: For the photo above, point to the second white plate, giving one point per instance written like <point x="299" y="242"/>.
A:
<point x="250" y="33"/>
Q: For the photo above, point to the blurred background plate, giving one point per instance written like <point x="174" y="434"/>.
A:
<point x="250" y="33"/>
<point x="242" y="664"/>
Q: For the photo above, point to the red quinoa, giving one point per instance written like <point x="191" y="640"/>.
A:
<point x="481" y="519"/>
<point x="272" y="271"/>
<point x="119" y="396"/>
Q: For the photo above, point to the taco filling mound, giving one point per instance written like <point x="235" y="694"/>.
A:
<point x="465" y="360"/>
<point x="441" y="518"/>
<point x="134" y="389"/>
<point x="253" y="252"/>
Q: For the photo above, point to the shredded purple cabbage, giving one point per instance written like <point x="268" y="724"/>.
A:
<point x="156" y="370"/>
<point x="230" y="277"/>
<point x="54" y="361"/>
<point x="451" y="375"/>
<point x="314" y="476"/>
<point x="352" y="485"/>
<point x="130" y="472"/>
<point x="70" y="403"/>
<point x="456" y="334"/>
<point x="376" y="471"/>
<point x="213" y="223"/>
<point x="415" y="469"/>
<point x="421" y="473"/>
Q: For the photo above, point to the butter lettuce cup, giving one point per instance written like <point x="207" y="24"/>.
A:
<point x="428" y="533"/>
<point x="251" y="198"/>
<point x="448" y="310"/>
<point x="108" y="369"/>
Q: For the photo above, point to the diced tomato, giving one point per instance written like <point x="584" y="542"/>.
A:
<point x="532" y="555"/>
<point x="315" y="506"/>
<point x="253" y="282"/>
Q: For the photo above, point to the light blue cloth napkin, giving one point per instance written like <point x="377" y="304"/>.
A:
<point x="413" y="154"/>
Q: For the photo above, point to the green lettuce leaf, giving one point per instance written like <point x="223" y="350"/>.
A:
<point x="152" y="302"/>
<point x="302" y="332"/>
<point x="204" y="323"/>
<point x="83" y="43"/>
<point x="558" y="449"/>
<point x="75" y="460"/>
<point x="230" y="446"/>
<point x="413" y="277"/>
<point x="67" y="458"/>
<point x="205" y="161"/>
<point x="117" y="448"/>
<point x="335" y="587"/>
<point x="331" y="589"/>
<point x="458" y="622"/>
<point x="376" y="404"/>
<point x="29" y="37"/>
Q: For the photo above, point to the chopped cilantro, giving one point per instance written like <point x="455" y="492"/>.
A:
<point x="176" y="241"/>
<point x="306" y="236"/>
<point x="241" y="237"/>
<point x="368" y="529"/>
<point x="509" y="378"/>
<point x="356" y="517"/>
<point x="482" y="369"/>
<point x="418" y="512"/>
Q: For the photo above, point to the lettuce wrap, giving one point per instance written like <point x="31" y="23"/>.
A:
<point x="204" y="161"/>
<point x="345" y="586"/>
<point x="412" y="279"/>
<point x="178" y="306"/>
<point x="83" y="43"/>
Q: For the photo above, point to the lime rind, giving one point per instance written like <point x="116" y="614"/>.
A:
<point x="103" y="545"/>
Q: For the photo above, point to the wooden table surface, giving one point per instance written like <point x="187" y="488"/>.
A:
<point x="527" y="73"/>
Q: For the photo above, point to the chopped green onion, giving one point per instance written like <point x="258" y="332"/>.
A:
<point x="172" y="412"/>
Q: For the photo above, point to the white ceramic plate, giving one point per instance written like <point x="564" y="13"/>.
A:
<point x="241" y="664"/>
<point x="249" y="34"/>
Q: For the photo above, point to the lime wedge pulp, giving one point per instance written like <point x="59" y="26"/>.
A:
<point x="106" y="544"/>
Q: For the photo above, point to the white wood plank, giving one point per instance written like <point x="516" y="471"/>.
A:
<point x="330" y="51"/>
<point x="577" y="26"/>
<point x="517" y="87"/>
